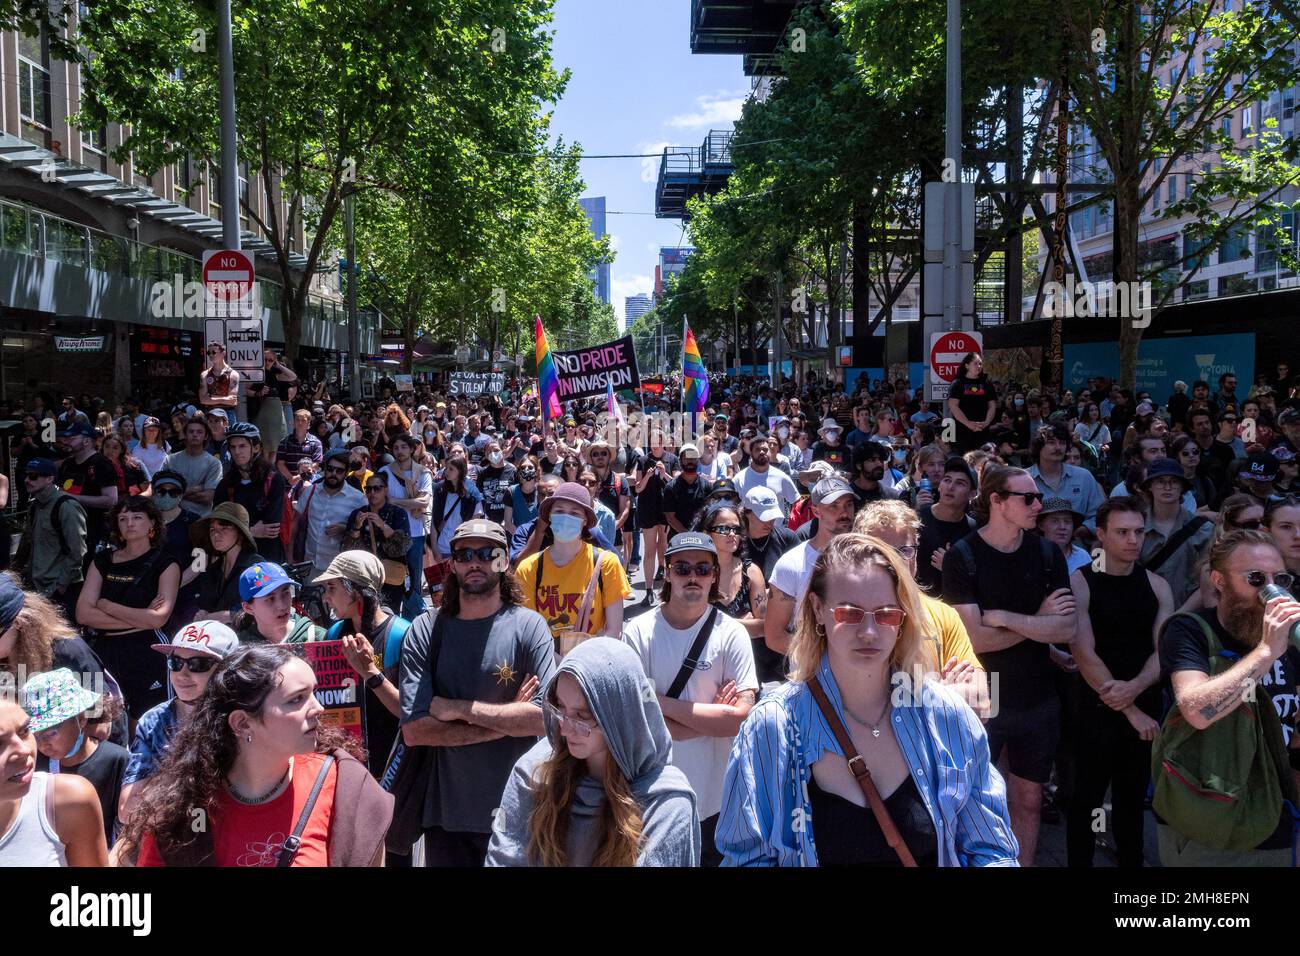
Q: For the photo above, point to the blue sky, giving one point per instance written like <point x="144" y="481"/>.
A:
<point x="636" y="88"/>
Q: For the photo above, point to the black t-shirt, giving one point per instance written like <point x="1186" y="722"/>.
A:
<point x="935" y="534"/>
<point x="973" y="397"/>
<point x="1216" y="464"/>
<point x="651" y="500"/>
<point x="865" y="497"/>
<point x="547" y="467"/>
<point x="105" y="769"/>
<point x="218" y="591"/>
<point x="684" y="500"/>
<point x="381" y="726"/>
<point x="495" y="484"/>
<point x="1183" y="648"/>
<point x="132" y="583"/>
<point x="837" y="456"/>
<point x="90" y="477"/>
<point x="974" y="572"/>
<point x="769" y="551"/>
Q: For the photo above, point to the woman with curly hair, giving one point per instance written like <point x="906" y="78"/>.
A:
<point x="248" y="762"/>
<point x="395" y="423"/>
<point x="132" y="479"/>
<point x="128" y="596"/>
<point x="599" y="789"/>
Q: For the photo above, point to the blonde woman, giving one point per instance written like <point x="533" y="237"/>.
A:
<point x="861" y="700"/>
<point x="598" y="790"/>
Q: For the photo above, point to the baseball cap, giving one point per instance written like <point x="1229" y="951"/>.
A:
<point x="206" y="637"/>
<point x="723" y="487"/>
<point x="359" y="567"/>
<point x="52" y="697"/>
<point x="1261" y="466"/>
<point x="690" y="541"/>
<point x="1143" y="408"/>
<point x="481" y="528"/>
<point x="688" y="449"/>
<point x="168" y="477"/>
<point x="77" y="428"/>
<point x="763" y="504"/>
<point x="1283" y="451"/>
<point x="721" y="417"/>
<point x="42" y="466"/>
<point x="261" y="579"/>
<point x="830" y="489"/>
<point x="218" y="413"/>
<point x="815" y="472"/>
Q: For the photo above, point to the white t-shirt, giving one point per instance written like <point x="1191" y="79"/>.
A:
<point x="774" y="478"/>
<point x="417" y="524"/>
<point x="727" y="656"/>
<point x="793" y="571"/>
<point x="720" y="467"/>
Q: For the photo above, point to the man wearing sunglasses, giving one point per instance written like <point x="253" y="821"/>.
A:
<point x="1012" y="591"/>
<point x="471" y="679"/>
<point x="326" y="507"/>
<point x="1256" y="642"/>
<point x="702" y="666"/>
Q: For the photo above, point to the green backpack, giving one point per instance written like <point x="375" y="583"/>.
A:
<point x="1223" y="786"/>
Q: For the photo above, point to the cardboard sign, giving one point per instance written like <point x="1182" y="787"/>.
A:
<point x="585" y="373"/>
<point x="472" y="384"/>
<point x="338" y="686"/>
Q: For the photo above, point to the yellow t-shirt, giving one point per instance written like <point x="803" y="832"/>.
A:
<point x="953" y="639"/>
<point x="559" y="599"/>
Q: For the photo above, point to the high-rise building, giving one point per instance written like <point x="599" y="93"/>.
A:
<point x="594" y="207"/>
<point x="672" y="261"/>
<point x="635" y="306"/>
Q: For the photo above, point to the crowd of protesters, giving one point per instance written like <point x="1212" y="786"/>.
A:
<point x="873" y="630"/>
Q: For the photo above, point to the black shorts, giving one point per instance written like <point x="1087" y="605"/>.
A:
<point x="1031" y="735"/>
<point x="648" y="518"/>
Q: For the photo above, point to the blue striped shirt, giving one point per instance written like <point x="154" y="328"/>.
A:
<point x="766" y="817"/>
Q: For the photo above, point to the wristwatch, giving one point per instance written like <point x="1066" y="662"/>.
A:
<point x="375" y="681"/>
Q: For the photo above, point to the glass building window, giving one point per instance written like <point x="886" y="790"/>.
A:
<point x="34" y="80"/>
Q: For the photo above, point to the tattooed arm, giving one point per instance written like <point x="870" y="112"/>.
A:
<point x="1204" y="699"/>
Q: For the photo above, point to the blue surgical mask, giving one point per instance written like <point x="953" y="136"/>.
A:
<point x="166" y="502"/>
<point x="566" y="527"/>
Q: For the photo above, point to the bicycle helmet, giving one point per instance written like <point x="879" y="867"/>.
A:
<point x="244" y="430"/>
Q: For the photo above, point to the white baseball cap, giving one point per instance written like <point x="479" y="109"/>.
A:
<point x="763" y="504"/>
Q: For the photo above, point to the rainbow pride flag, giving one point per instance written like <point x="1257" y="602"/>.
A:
<point x="612" y="408"/>
<point x="695" y="380"/>
<point x="547" y="380"/>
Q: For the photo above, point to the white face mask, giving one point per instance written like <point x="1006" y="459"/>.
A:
<point x="496" y="458"/>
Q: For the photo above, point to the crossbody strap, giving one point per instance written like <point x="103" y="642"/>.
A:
<point x="1175" y="542"/>
<point x="290" y="847"/>
<point x="692" y="660"/>
<point x="861" y="774"/>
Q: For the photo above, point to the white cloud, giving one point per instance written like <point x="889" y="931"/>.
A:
<point x="650" y="162"/>
<point x="715" y="110"/>
<point x="623" y="286"/>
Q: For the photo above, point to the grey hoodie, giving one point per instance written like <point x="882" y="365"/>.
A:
<point x="623" y="702"/>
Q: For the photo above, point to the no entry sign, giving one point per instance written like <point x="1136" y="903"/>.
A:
<point x="228" y="284"/>
<point x="947" y="349"/>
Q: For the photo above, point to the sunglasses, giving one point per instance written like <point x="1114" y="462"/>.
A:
<point x="599" y="454"/>
<point x="195" y="665"/>
<point x="1029" y="497"/>
<point x="589" y="482"/>
<point x="682" y="569"/>
<point x="725" y="529"/>
<point x="372" y="489"/>
<point x="466" y="555"/>
<point x="580" y="727"/>
<point x="1254" y="525"/>
<point x="1257" y="579"/>
<point x="331" y="469"/>
<point x="883" y="616"/>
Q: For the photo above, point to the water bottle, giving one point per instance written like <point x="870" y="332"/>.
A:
<point x="1271" y="592"/>
<point x="926" y="487"/>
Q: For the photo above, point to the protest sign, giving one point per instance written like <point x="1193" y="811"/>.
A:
<point x="338" y="687"/>
<point x="476" y="383"/>
<point x="584" y="373"/>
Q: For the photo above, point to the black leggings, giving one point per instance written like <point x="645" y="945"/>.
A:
<point x="1108" y="753"/>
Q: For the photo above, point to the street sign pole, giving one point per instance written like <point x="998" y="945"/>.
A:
<point x="952" y="258"/>
<point x="229" y="159"/>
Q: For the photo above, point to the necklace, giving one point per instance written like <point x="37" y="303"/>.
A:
<point x="265" y="798"/>
<point x="874" y="728"/>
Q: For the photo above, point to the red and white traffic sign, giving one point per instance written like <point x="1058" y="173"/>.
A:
<point x="228" y="280"/>
<point x="947" y="349"/>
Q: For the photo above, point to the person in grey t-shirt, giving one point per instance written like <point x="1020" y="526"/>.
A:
<point x="476" y="698"/>
<point x="202" y="472"/>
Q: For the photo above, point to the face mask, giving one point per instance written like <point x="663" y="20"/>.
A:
<point x="496" y="458"/>
<point x="166" y="502"/>
<point x="784" y="433"/>
<point x="81" y="739"/>
<point x="1020" y="402"/>
<point x="566" y="527"/>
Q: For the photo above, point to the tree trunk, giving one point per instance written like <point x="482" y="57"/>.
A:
<point x="1127" y="173"/>
<point x="408" y="340"/>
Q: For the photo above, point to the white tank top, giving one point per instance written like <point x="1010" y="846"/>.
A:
<point x="31" y="840"/>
